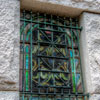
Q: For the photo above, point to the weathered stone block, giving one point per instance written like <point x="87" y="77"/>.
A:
<point x="90" y="51"/>
<point x="83" y="4"/>
<point x="9" y="44"/>
<point x="95" y="97"/>
<point x="9" y="95"/>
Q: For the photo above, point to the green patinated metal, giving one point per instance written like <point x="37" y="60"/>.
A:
<point x="50" y="58"/>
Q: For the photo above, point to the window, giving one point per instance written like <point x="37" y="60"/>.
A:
<point x="50" y="58"/>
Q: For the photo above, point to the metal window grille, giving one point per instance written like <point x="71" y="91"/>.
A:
<point x="50" y="58"/>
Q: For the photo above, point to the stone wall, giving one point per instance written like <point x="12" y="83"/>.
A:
<point x="10" y="34"/>
<point x="9" y="49"/>
<point x="90" y="53"/>
<point x="89" y="5"/>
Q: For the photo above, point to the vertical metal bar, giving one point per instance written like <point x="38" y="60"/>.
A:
<point x="69" y="98"/>
<point x="52" y="36"/>
<point x="23" y="55"/>
<point x="76" y="97"/>
<point x="38" y="59"/>
<point x="23" y="97"/>
<point x="54" y="97"/>
<point x="76" y="73"/>
<point x="73" y="72"/>
<point x="31" y="50"/>
<point x="38" y="97"/>
<point x="47" y="95"/>
<point x="65" y="38"/>
<point x="65" y="43"/>
<point x="30" y="98"/>
<point x="45" y="27"/>
<point x="62" y="94"/>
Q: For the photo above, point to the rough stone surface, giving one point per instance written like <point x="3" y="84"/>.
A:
<point x="90" y="39"/>
<point x="9" y="95"/>
<point x="95" y="97"/>
<point x="9" y="44"/>
<point x="62" y="7"/>
<point x="83" y="4"/>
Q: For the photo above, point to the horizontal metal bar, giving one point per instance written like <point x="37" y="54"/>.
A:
<point x="49" y="43"/>
<point x="51" y="30"/>
<point x="53" y="57"/>
<point x="53" y="71"/>
<point x="64" y="87"/>
<point x="49" y="71"/>
<point x="46" y="23"/>
<point x="69" y="94"/>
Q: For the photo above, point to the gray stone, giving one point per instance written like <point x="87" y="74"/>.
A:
<point x="9" y="41"/>
<point x="94" y="97"/>
<point x="4" y="95"/>
<point x="9" y="44"/>
<point x="90" y="51"/>
<point x="83" y="4"/>
<point x="62" y="7"/>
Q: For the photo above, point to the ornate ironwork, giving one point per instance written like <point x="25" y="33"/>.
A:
<point x="50" y="58"/>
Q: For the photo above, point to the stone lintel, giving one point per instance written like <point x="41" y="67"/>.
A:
<point x="72" y="8"/>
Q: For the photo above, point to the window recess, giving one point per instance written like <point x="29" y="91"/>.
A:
<point x="50" y="67"/>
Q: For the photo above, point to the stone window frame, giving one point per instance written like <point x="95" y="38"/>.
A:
<point x="89" y="12"/>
